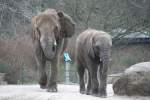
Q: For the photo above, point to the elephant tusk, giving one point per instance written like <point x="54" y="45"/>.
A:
<point x="55" y="44"/>
<point x="100" y="60"/>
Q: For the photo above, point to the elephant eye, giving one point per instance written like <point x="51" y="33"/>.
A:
<point x="96" y="47"/>
<point x="53" y="48"/>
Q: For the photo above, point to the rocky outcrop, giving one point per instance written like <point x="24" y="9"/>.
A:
<point x="134" y="81"/>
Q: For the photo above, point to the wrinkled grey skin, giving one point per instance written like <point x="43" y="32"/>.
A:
<point x="93" y="53"/>
<point x="50" y="32"/>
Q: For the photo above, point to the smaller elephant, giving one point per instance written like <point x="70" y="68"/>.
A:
<point x="93" y="49"/>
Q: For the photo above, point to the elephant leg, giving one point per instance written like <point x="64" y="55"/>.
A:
<point x="42" y="72"/>
<point x="81" y="70"/>
<point x="88" y="84"/>
<point x="94" y="81"/>
<point x="40" y="61"/>
<point x="103" y="79"/>
<point x="52" y="81"/>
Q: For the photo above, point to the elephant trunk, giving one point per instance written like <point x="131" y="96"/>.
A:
<point x="104" y="64"/>
<point x="104" y="61"/>
<point x="49" y="49"/>
<point x="105" y="58"/>
<point x="49" y="52"/>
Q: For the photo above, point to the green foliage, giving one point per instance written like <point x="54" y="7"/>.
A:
<point x="127" y="55"/>
<point x="3" y="68"/>
<point x="41" y="5"/>
<point x="72" y="73"/>
<point x="61" y="73"/>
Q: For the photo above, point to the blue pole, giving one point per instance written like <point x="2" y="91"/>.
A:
<point x="67" y="67"/>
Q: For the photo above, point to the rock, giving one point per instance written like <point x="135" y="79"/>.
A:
<point x="134" y="81"/>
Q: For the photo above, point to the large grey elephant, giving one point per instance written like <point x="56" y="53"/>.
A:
<point x="50" y="32"/>
<point x="93" y="49"/>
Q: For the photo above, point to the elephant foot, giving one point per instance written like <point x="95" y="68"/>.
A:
<point x="88" y="92"/>
<point x="82" y="92"/>
<point x="94" y="92"/>
<point x="43" y="82"/>
<point x="100" y="95"/>
<point x="43" y="86"/>
<point x="103" y="95"/>
<point x="52" y="88"/>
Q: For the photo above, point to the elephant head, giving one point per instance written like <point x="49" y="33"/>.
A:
<point x="100" y="45"/>
<point x="49" y="28"/>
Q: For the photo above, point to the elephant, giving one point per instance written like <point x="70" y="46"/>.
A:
<point x="50" y="32"/>
<point x="93" y="51"/>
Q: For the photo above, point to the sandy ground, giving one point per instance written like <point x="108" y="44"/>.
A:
<point x="65" y="92"/>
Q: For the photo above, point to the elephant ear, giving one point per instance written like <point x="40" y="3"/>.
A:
<point x="35" y="29"/>
<point x="67" y="24"/>
<point x="91" y="48"/>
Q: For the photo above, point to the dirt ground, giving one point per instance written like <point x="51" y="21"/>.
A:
<point x="65" y="92"/>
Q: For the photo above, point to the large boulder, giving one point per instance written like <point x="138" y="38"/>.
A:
<point x="134" y="81"/>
